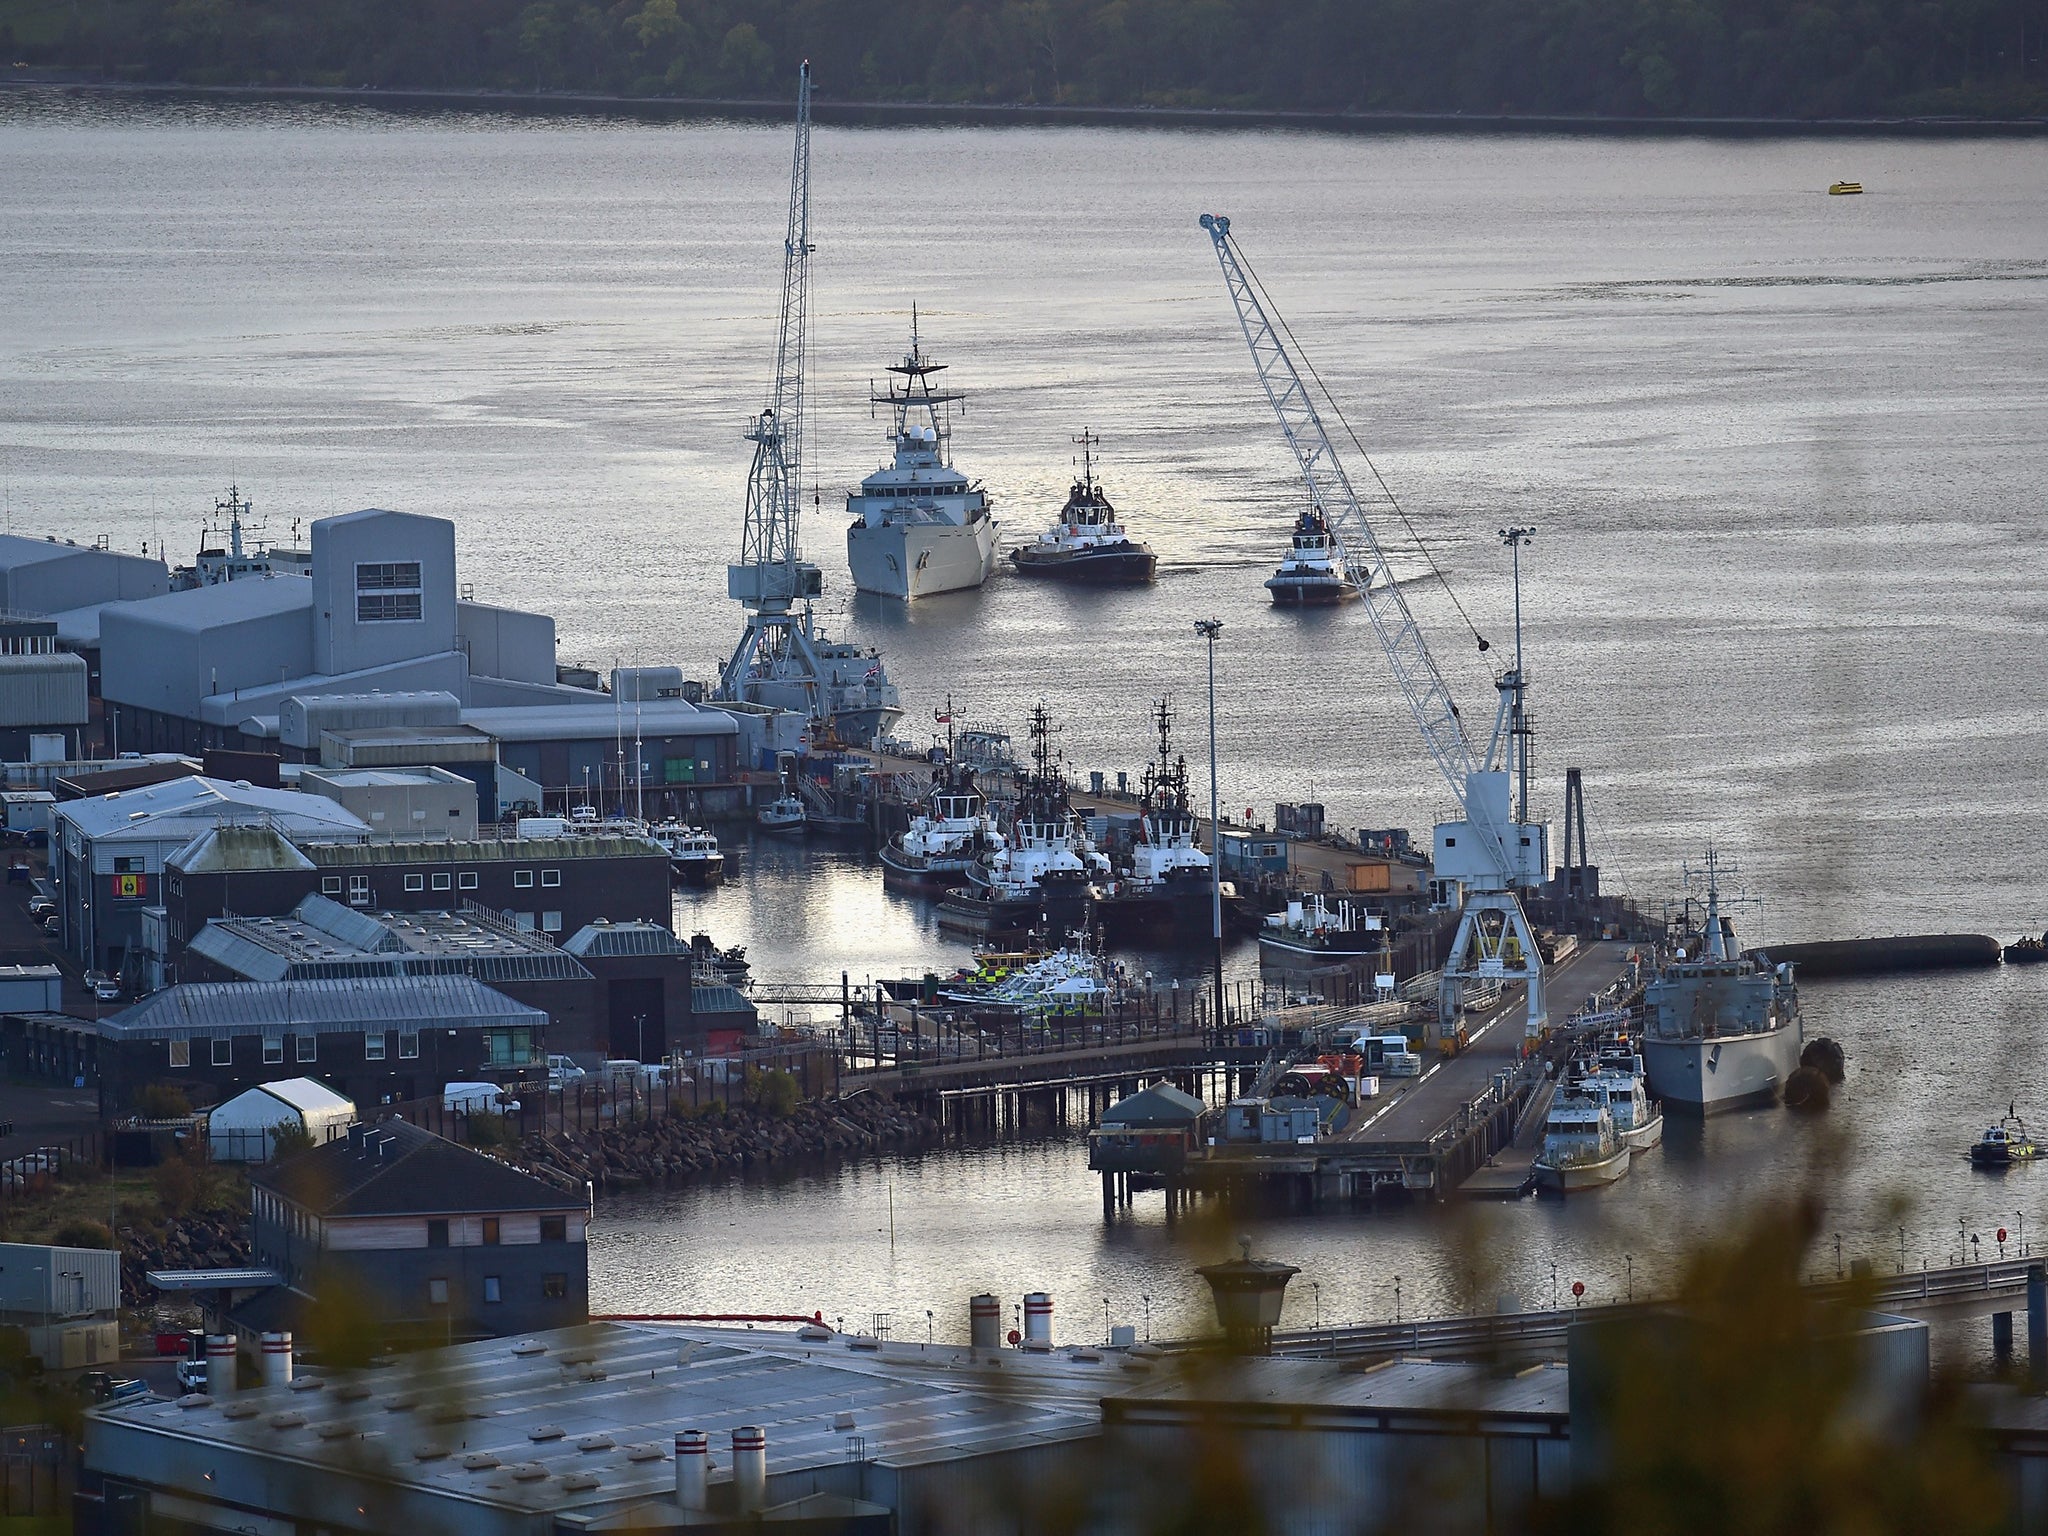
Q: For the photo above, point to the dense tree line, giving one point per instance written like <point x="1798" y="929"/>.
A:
<point x="1675" y="58"/>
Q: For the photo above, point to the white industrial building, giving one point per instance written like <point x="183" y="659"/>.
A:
<point x="54" y="576"/>
<point x="43" y="692"/>
<point x="107" y="853"/>
<point x="66" y="1300"/>
<point x="244" y="1130"/>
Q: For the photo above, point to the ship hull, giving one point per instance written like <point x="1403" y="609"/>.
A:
<point x="1310" y="592"/>
<point x="913" y="560"/>
<point x="698" y="873"/>
<point x="1640" y="1138"/>
<point x="1127" y="565"/>
<point x="1722" y="1073"/>
<point x="900" y="872"/>
<point x="1576" y="1176"/>
<point x="1280" y="950"/>
<point x="1182" y="912"/>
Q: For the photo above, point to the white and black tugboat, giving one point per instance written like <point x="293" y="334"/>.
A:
<point x="1315" y="573"/>
<point x="919" y="525"/>
<point x="1720" y="1031"/>
<point x="1165" y="893"/>
<point x="1045" y="873"/>
<point x="1087" y="544"/>
<point x="953" y="833"/>
<point x="694" y="857"/>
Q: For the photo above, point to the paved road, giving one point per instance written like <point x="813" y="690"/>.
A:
<point x="1421" y="1107"/>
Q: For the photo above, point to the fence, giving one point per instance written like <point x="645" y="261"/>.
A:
<point x="31" y="1172"/>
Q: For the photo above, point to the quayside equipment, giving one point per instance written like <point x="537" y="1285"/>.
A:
<point x="1495" y="849"/>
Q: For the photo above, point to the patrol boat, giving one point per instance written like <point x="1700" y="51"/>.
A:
<point x="919" y="525"/>
<point x="1087" y="544"/>
<point x="1720" y="1031"/>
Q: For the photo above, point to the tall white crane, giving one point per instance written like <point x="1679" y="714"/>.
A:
<point x="1495" y="849"/>
<point x="772" y="577"/>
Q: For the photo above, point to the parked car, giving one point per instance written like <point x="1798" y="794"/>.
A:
<point x="105" y="1387"/>
<point x="54" y="924"/>
<point x="41" y="906"/>
<point x="107" y="990"/>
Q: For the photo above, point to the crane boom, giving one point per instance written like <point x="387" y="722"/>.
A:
<point x="1443" y="731"/>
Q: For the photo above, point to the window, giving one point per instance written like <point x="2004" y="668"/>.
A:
<point x="309" y="1047"/>
<point x="468" y="880"/>
<point x="551" y="922"/>
<point x="437" y="1293"/>
<point x="493" y="1292"/>
<point x="181" y="1053"/>
<point x="508" y="1047"/>
<point x="408" y="1046"/>
<point x="330" y="885"/>
<point x="387" y="607"/>
<point x="554" y="1229"/>
<point x="131" y="864"/>
<point x="522" y="879"/>
<point x="273" y="1049"/>
<point x="415" y="882"/>
<point x="388" y="576"/>
<point x="373" y="1046"/>
<point x="523" y="921"/>
<point x="554" y="1287"/>
<point x="359" y="890"/>
<point x="224" y="1053"/>
<point x="437" y="1233"/>
<point x="490" y="1231"/>
<point x="443" y="881"/>
<point x="551" y="877"/>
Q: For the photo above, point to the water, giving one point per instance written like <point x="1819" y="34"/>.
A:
<point x="1783" y="452"/>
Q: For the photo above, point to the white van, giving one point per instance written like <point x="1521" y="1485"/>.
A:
<point x="477" y="1099"/>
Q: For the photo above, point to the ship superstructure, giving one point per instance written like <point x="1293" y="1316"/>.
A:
<point x="919" y="526"/>
<point x="1088" y="543"/>
<point x="234" y="560"/>
<point x="1720" y="1031"/>
<point x="1166" y="889"/>
<point x="783" y="660"/>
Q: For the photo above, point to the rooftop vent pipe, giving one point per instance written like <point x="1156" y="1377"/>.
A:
<point x="277" y="1359"/>
<point x="220" y="1365"/>
<point x="693" y="1468"/>
<point x="750" y="1468"/>
<point x="985" y="1321"/>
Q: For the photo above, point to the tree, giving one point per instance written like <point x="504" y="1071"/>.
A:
<point x="288" y="1138"/>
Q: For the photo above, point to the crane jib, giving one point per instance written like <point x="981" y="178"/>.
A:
<point x="1329" y="487"/>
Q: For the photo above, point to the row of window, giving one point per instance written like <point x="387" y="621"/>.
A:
<point x="387" y="575"/>
<point x="304" y="1048"/>
<point x="387" y="607"/>
<point x="553" y="1229"/>
<point x="552" y="1288"/>
<point x="438" y="880"/>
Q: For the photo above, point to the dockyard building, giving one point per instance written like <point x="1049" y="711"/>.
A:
<point x="108" y="853"/>
<point x="441" y="1242"/>
<point x="377" y="1039"/>
<point x="655" y="1001"/>
<point x="71" y="584"/>
<point x="43" y="704"/>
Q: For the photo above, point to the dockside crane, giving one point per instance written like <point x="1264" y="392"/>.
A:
<point x="772" y="580"/>
<point x="1494" y="850"/>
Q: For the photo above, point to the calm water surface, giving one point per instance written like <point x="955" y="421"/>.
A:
<point x="1784" y="453"/>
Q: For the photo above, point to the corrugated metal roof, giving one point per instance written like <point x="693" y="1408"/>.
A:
<point x="1161" y="1104"/>
<point x="635" y="1385"/>
<point x="323" y="940"/>
<point x="202" y="608"/>
<point x="717" y="999"/>
<point x="125" y="810"/>
<point x="266" y="1007"/>
<point x="395" y="1168"/>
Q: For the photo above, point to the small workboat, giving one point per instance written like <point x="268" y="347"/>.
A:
<point x="785" y="813"/>
<point x="1846" y="189"/>
<point x="2004" y="1144"/>
<point x="1580" y="1149"/>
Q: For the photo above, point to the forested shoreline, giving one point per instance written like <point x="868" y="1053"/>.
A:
<point x="1631" y="59"/>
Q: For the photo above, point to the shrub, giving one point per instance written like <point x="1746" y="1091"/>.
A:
<point x="288" y="1138"/>
<point x="488" y="1131"/>
<point x="774" y="1093"/>
<point x="162" y="1101"/>
<point x="82" y="1232"/>
<point x="178" y="1183"/>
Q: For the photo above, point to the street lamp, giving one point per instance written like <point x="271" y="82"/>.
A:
<point x="1209" y="629"/>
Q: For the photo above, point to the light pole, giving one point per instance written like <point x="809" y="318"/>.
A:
<point x="1631" y="1260"/>
<point x="1209" y="629"/>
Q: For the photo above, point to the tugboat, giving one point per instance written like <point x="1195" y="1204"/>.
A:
<point x="1087" y="544"/>
<point x="1580" y="1147"/>
<point x="2004" y="1144"/>
<point x="1315" y="573"/>
<point x="1720" y="1032"/>
<point x="948" y="838"/>
<point x="1166" y="893"/>
<point x="1046" y="870"/>
<point x="920" y="526"/>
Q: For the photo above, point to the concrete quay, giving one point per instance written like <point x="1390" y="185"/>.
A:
<point x="1431" y="1133"/>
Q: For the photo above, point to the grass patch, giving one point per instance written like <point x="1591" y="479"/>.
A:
<point x="130" y="1195"/>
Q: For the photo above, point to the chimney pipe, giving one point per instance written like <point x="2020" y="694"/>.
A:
<point x="985" y="1321"/>
<point x="277" y="1359"/>
<point x="750" y="1468"/>
<point x="220" y="1364"/>
<point x="693" y="1467"/>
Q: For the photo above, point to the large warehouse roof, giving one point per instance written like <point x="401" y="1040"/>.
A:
<point x="145" y="810"/>
<point x="205" y="1008"/>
